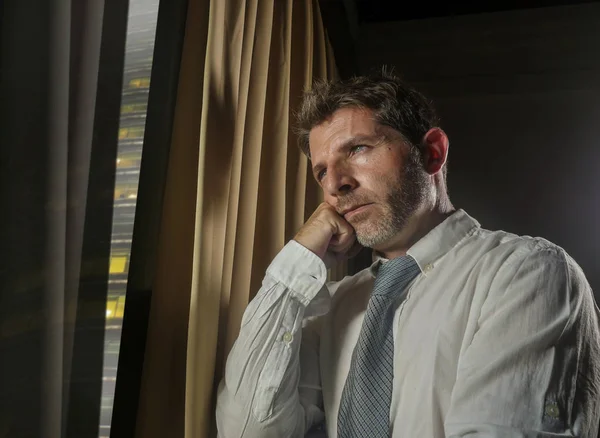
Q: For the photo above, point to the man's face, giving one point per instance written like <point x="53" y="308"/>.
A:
<point x="372" y="177"/>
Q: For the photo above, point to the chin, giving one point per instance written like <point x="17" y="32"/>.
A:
<point x="371" y="240"/>
<point x="375" y="235"/>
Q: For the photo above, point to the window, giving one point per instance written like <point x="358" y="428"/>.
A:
<point x="132" y="132"/>
<point x="130" y="160"/>
<point x="141" y="31"/>
<point x="134" y="108"/>
<point x="139" y="83"/>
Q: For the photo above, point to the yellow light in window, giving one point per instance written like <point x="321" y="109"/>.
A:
<point x="108" y="312"/>
<point x="139" y="83"/>
<point x="117" y="265"/>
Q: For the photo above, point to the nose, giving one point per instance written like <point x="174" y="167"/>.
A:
<point x="338" y="181"/>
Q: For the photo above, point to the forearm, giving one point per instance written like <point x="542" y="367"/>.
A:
<point x="258" y="396"/>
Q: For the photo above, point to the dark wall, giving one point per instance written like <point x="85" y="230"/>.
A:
<point x="519" y="96"/>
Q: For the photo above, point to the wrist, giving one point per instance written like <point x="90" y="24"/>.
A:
<point x="315" y="247"/>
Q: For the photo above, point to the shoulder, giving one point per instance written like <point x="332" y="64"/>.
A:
<point x="533" y="272"/>
<point x="511" y="251"/>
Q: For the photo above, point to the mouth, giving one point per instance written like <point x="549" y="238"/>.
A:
<point x="351" y="211"/>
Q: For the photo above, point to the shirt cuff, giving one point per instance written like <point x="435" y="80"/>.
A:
<point x="299" y="269"/>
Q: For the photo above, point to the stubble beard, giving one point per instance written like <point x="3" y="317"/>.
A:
<point x="407" y="193"/>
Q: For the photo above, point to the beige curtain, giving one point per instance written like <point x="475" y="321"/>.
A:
<point x="238" y="189"/>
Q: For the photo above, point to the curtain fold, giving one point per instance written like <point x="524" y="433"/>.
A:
<point x="237" y="190"/>
<point x="58" y="141"/>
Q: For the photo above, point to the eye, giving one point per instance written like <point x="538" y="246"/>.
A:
<point x="321" y="174"/>
<point x="357" y="148"/>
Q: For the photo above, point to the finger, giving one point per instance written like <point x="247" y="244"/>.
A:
<point x="356" y="248"/>
<point x="344" y="236"/>
<point x="344" y="247"/>
<point x="348" y="253"/>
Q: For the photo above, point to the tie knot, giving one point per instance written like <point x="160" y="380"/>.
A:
<point x="395" y="275"/>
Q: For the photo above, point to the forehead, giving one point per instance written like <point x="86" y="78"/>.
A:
<point x="343" y="124"/>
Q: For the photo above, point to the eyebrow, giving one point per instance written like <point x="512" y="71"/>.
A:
<point x="349" y="143"/>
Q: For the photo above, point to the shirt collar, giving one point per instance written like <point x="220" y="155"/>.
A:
<point x="437" y="242"/>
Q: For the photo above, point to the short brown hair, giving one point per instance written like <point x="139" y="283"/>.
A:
<point x="394" y="102"/>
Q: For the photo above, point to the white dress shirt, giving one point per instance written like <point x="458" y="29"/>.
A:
<point x="498" y="337"/>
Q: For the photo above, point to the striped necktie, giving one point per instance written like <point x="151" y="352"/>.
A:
<point x="367" y="395"/>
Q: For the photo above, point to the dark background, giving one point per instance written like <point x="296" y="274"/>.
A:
<point x="517" y="86"/>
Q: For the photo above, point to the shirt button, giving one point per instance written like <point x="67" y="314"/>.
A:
<point x="287" y="337"/>
<point x="552" y="410"/>
<point x="428" y="267"/>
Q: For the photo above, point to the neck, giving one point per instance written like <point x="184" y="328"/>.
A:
<point x="419" y="224"/>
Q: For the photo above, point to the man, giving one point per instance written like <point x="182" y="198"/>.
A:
<point x="453" y="331"/>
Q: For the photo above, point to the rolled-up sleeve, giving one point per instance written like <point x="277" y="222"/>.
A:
<point x="260" y="394"/>
<point x="532" y="367"/>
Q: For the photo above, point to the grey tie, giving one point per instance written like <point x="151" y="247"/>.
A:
<point x="365" y="404"/>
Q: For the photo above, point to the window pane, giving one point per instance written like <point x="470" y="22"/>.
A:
<point x="141" y="31"/>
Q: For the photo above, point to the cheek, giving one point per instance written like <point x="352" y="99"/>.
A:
<point x="383" y="161"/>
<point x="370" y="164"/>
<point x="375" y="182"/>
<point x="378" y="175"/>
<point x="363" y="160"/>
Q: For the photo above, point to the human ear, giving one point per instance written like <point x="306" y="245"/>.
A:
<point x="435" y="150"/>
